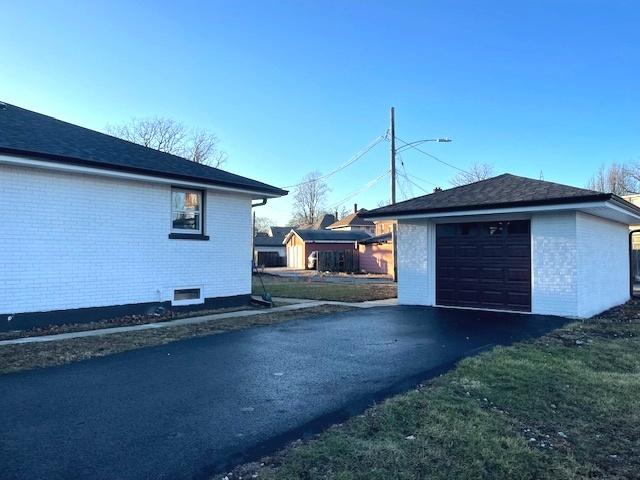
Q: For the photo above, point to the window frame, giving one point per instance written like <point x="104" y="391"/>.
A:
<point x="182" y="233"/>
<point x="190" y="301"/>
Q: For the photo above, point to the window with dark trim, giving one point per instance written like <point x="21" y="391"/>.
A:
<point x="186" y="211"/>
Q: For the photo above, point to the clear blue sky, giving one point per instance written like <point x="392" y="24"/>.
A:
<point x="295" y="86"/>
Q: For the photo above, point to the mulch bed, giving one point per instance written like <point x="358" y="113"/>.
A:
<point x="124" y="321"/>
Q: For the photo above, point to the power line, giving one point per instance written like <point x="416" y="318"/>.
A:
<point x="366" y="187"/>
<point x="414" y="183"/>
<point x="430" y="155"/>
<point x="352" y="160"/>
<point x="423" y="180"/>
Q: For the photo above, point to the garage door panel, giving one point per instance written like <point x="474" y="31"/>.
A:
<point x="492" y="251"/>
<point x="519" y="251"/>
<point x="466" y="251"/>
<point x="521" y="274"/>
<point x="489" y="269"/>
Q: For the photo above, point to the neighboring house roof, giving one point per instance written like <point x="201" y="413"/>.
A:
<point x="503" y="191"/>
<point x="27" y="133"/>
<point x="323" y="222"/>
<point x="274" y="240"/>
<point x="383" y="238"/>
<point x="352" y="220"/>
<point x="328" y="236"/>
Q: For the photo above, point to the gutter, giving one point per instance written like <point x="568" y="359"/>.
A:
<point x="78" y="162"/>
<point x="395" y="213"/>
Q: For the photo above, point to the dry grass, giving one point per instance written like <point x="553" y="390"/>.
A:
<point x="318" y="290"/>
<point x="26" y="356"/>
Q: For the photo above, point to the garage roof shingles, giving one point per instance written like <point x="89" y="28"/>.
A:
<point x="503" y="191"/>
<point x="23" y="132"/>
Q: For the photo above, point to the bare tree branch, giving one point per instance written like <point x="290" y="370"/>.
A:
<point x="173" y="137"/>
<point x="309" y="199"/>
<point x="477" y="172"/>
<point x="617" y="178"/>
<point x="263" y="224"/>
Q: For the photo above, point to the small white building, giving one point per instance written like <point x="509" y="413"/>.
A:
<point x="516" y="244"/>
<point x="95" y="227"/>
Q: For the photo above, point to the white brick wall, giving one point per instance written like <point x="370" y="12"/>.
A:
<point x="603" y="264"/>
<point x="416" y="263"/>
<point x="73" y="241"/>
<point x="554" y="264"/>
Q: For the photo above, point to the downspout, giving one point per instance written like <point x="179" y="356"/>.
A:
<point x="631" y="261"/>
<point x="266" y="297"/>
<point x="253" y="231"/>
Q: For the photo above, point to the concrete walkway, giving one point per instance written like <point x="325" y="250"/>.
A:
<point x="294" y="304"/>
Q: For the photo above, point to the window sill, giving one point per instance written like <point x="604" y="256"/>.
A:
<point x="188" y="236"/>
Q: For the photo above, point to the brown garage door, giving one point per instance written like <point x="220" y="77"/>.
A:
<point x="484" y="265"/>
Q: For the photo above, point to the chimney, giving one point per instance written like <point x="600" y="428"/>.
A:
<point x="337" y="216"/>
<point x="437" y="189"/>
<point x="355" y="208"/>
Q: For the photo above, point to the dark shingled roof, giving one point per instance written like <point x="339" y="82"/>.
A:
<point x="323" y="222"/>
<point x="27" y="133"/>
<point x="382" y="238"/>
<point x="503" y="191"/>
<point x="266" y="240"/>
<point x="331" y="235"/>
<point x="352" y="220"/>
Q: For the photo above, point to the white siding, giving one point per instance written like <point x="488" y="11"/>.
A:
<point x="554" y="264"/>
<point x="416" y="263"/>
<point x="73" y="241"/>
<point x="603" y="264"/>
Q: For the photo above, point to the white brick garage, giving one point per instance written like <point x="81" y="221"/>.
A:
<point x="579" y="248"/>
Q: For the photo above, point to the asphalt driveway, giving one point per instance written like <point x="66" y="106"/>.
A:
<point x="193" y="408"/>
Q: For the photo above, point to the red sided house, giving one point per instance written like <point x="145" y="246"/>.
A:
<point x="301" y="242"/>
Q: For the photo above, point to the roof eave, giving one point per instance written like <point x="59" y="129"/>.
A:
<point x="65" y="160"/>
<point x="504" y="205"/>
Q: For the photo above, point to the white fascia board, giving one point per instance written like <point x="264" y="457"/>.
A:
<point x="584" y="206"/>
<point x="103" y="172"/>
<point x="332" y="241"/>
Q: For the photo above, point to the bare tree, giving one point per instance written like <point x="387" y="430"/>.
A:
<point x="263" y="224"/>
<point x="309" y="199"/>
<point x="170" y="136"/>
<point x="617" y="178"/>
<point x="342" y="212"/>
<point x="477" y="172"/>
<point x="203" y="148"/>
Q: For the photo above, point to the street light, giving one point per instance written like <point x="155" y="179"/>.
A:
<point x="418" y="142"/>
<point x="394" y="151"/>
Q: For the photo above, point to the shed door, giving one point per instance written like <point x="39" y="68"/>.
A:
<point x="484" y="265"/>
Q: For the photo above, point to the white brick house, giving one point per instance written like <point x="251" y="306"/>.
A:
<point x="94" y="226"/>
<point x="513" y="243"/>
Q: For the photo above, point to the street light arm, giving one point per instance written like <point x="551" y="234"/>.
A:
<point x="418" y="142"/>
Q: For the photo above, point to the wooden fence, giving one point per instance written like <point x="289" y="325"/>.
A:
<point x="270" y="259"/>
<point x="339" y="261"/>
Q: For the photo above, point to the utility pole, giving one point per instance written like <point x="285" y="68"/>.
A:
<point x="392" y="132"/>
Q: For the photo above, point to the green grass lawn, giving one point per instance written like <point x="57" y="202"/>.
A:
<point x="564" y="406"/>
<point x="316" y="290"/>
